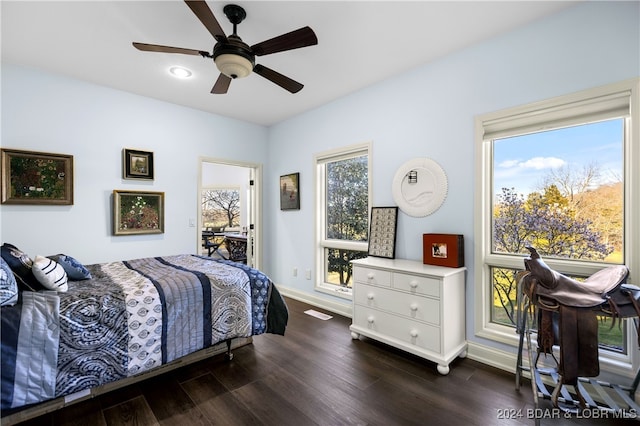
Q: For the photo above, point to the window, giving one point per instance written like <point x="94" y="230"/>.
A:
<point x="557" y="175"/>
<point x="342" y="222"/>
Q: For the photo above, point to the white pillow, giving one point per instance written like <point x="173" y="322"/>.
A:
<point x="50" y="274"/>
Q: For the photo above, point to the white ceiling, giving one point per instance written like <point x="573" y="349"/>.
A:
<point x="359" y="43"/>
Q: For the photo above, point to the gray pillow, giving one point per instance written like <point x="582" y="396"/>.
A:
<point x="74" y="269"/>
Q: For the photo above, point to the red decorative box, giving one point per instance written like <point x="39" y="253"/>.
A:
<point x="443" y="250"/>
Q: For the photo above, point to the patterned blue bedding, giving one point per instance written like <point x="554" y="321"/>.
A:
<point x="130" y="317"/>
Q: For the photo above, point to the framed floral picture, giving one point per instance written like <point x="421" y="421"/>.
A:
<point x="30" y="177"/>
<point x="137" y="164"/>
<point x="138" y="212"/>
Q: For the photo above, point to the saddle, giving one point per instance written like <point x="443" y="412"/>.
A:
<point x="568" y="311"/>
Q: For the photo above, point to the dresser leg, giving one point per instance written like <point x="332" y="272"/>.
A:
<point x="355" y="335"/>
<point x="443" y="369"/>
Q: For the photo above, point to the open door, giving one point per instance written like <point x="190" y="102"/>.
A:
<point x="238" y="204"/>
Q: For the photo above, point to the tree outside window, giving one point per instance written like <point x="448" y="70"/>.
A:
<point x="347" y="214"/>
<point x="343" y="193"/>
<point x="220" y="207"/>
<point x="570" y="207"/>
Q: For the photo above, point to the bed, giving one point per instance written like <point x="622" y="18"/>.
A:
<point x="122" y="322"/>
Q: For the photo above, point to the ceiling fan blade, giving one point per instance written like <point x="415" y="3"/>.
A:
<point x="302" y="37"/>
<point x="279" y="79"/>
<point x="167" y="49"/>
<point x="205" y="15"/>
<point x="222" y="85"/>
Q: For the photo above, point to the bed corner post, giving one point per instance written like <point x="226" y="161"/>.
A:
<point x="228" y="356"/>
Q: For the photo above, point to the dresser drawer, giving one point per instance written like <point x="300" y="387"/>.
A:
<point x="408" y="305"/>
<point x="417" y="284"/>
<point x="372" y="276"/>
<point x="422" y="335"/>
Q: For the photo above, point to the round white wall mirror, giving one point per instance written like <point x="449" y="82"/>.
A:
<point x="419" y="187"/>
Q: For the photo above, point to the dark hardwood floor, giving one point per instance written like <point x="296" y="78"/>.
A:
<point x="315" y="375"/>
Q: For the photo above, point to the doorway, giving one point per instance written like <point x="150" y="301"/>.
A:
<point x="237" y="185"/>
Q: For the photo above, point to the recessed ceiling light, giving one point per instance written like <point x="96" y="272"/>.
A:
<point x="180" y="72"/>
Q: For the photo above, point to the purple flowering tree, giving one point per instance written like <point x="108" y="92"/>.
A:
<point x="545" y="221"/>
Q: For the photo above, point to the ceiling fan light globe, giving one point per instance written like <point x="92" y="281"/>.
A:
<point x="233" y="66"/>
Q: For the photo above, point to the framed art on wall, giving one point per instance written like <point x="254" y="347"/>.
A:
<point x="137" y="164"/>
<point x="382" y="232"/>
<point x="30" y="177"/>
<point x="138" y="212"/>
<point x="290" y="192"/>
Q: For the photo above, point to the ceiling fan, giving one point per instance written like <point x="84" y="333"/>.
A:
<point x="233" y="57"/>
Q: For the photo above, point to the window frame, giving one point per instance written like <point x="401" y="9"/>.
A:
<point x="321" y="242"/>
<point x="577" y="108"/>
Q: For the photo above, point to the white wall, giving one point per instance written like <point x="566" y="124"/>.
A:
<point x="50" y="113"/>
<point x="429" y="112"/>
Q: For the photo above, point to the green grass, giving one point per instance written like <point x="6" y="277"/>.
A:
<point x="610" y="337"/>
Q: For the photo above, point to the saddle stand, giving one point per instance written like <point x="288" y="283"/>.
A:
<point x="564" y="313"/>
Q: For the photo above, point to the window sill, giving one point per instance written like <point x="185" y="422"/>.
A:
<point x="610" y="362"/>
<point x="342" y="292"/>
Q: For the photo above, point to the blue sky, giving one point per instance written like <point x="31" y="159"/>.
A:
<point x="522" y="161"/>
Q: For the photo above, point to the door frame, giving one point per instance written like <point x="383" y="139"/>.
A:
<point x="255" y="200"/>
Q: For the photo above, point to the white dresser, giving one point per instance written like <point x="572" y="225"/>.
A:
<point x="414" y="307"/>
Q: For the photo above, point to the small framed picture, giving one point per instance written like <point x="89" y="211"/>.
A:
<point x="30" y="177"/>
<point x="138" y="212"/>
<point x="137" y="164"/>
<point x="382" y="232"/>
<point x="290" y="192"/>
<point x="443" y="250"/>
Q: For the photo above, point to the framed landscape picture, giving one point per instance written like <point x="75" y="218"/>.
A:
<point x="137" y="164"/>
<point x="30" y="177"/>
<point x="138" y="212"/>
<point x="290" y="192"/>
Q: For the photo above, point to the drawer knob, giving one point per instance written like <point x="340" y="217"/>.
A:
<point x="414" y="333"/>
<point x="413" y="307"/>
<point x="370" y="275"/>
<point x="370" y="319"/>
<point x="413" y="284"/>
<point x="370" y="296"/>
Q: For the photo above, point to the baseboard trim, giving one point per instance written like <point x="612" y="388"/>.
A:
<point x="492" y="356"/>
<point x="319" y="302"/>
